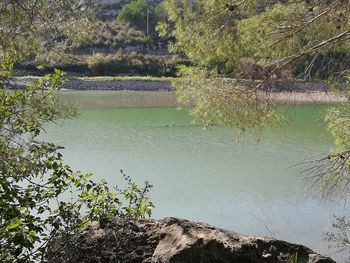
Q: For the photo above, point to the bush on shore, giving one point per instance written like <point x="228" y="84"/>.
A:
<point x="110" y="36"/>
<point x="106" y="64"/>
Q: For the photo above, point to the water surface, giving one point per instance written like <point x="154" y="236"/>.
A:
<point x="213" y="175"/>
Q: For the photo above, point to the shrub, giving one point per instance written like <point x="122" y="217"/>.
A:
<point x="120" y="63"/>
<point x="135" y="13"/>
<point x="35" y="182"/>
<point x="110" y="35"/>
<point x="116" y="63"/>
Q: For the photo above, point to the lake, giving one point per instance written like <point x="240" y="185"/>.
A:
<point x="214" y="175"/>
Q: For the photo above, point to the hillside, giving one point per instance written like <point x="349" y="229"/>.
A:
<point x="111" y="8"/>
<point x="112" y="47"/>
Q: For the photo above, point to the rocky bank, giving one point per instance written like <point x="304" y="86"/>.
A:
<point x="173" y="240"/>
<point x="119" y="85"/>
<point x="273" y="86"/>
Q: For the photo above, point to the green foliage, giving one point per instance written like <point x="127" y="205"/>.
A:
<point x="339" y="125"/>
<point x="270" y="36"/>
<point x="111" y="35"/>
<point x="293" y="258"/>
<point x="51" y="60"/>
<point x="40" y="196"/>
<point x="250" y="39"/>
<point x="206" y="33"/>
<point x="222" y="101"/>
<point x="106" y="51"/>
<point x="339" y="236"/>
<point x="119" y="62"/>
<point x="106" y="37"/>
<point x="217" y="34"/>
<point x="36" y="25"/>
<point x="111" y="64"/>
<point x="229" y="37"/>
<point x="331" y="173"/>
<point x="203" y="30"/>
<point x="135" y="12"/>
<point x="74" y="52"/>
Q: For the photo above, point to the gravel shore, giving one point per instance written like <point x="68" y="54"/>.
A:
<point x="118" y="85"/>
<point x="281" y="91"/>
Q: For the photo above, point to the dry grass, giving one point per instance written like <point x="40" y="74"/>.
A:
<point x="312" y="97"/>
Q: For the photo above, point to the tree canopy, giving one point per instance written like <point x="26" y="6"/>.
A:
<point x="34" y="25"/>
<point x="218" y="36"/>
<point x="309" y="38"/>
<point x="41" y="197"/>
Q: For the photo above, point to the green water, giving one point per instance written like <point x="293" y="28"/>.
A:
<point x="214" y="175"/>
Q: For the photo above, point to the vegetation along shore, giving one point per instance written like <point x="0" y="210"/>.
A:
<point x="230" y="64"/>
<point x="289" y="92"/>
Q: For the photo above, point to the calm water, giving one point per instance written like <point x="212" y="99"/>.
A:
<point x="211" y="175"/>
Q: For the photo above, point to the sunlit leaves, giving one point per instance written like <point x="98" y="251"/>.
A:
<point x="216" y="35"/>
<point x="203" y="30"/>
<point x="218" y="101"/>
<point x="40" y="196"/>
<point x="33" y="25"/>
<point x="340" y="235"/>
<point x="286" y="29"/>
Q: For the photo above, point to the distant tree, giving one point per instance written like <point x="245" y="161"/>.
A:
<point x="136" y="11"/>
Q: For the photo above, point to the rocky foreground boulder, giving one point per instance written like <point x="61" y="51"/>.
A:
<point x="173" y="240"/>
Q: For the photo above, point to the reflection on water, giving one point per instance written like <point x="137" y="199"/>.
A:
<point x="210" y="175"/>
<point x="93" y="99"/>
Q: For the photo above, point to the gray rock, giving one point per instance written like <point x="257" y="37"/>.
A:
<point x="118" y="85"/>
<point x="173" y="240"/>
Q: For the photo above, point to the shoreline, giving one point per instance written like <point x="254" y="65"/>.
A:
<point x="119" y="85"/>
<point x="284" y="92"/>
<point x="132" y="98"/>
<point x="310" y="97"/>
